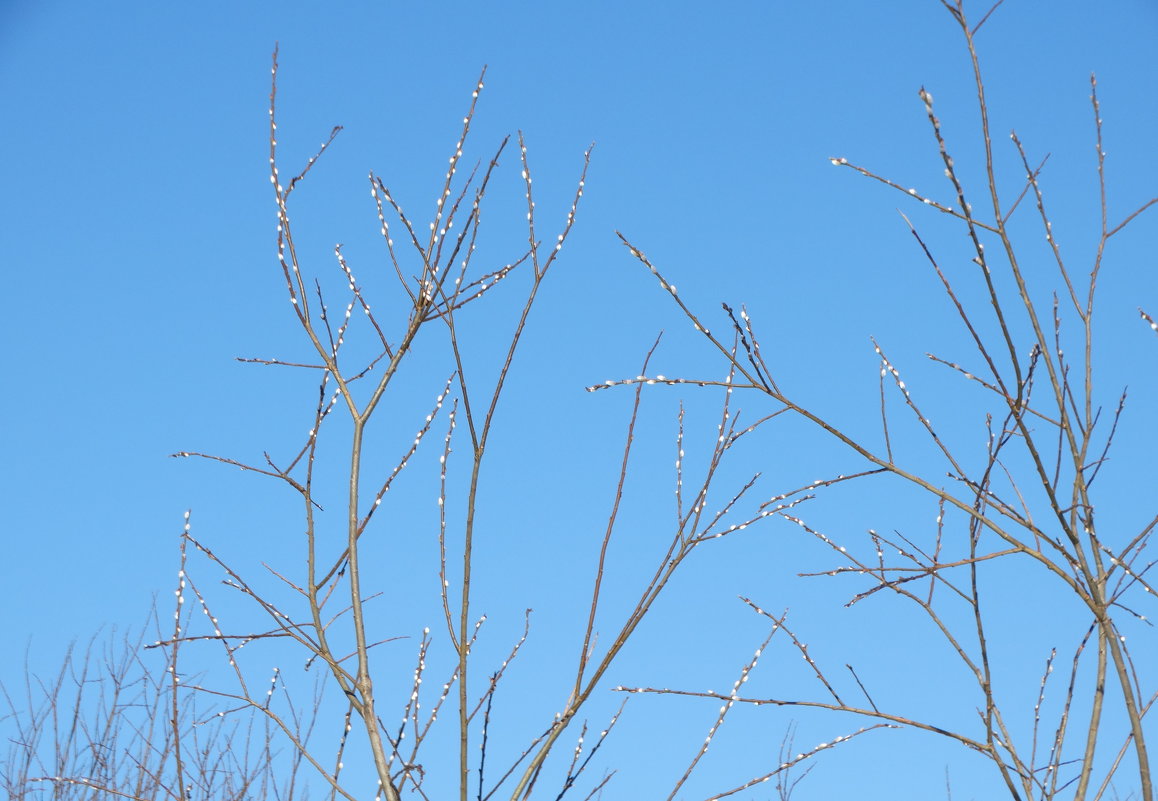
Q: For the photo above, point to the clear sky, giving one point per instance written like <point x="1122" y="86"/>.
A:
<point x="138" y="253"/>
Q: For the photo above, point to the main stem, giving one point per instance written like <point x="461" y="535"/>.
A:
<point x="362" y="682"/>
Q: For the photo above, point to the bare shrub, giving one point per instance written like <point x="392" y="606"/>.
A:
<point x="112" y="724"/>
<point x="1028" y="505"/>
<point x="364" y="584"/>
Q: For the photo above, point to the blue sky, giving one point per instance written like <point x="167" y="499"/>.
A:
<point x="138" y="247"/>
